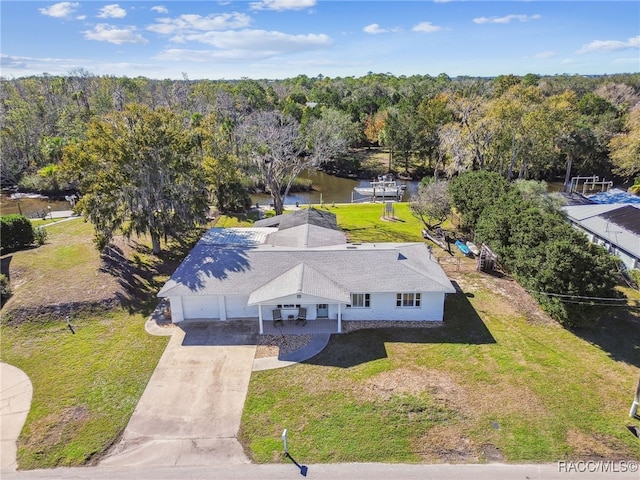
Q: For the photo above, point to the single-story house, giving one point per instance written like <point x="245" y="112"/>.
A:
<point x="302" y="261"/>
<point x="614" y="226"/>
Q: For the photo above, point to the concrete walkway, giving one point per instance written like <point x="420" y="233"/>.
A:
<point x="15" y="400"/>
<point x="311" y="349"/>
<point x="190" y="412"/>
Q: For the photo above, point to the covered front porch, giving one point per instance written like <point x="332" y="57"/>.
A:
<point x="300" y="293"/>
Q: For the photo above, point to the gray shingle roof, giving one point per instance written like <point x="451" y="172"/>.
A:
<point x="242" y="269"/>
<point x="300" y="279"/>
<point x="305" y="216"/>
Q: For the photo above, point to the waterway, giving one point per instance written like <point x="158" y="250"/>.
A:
<point x="31" y="205"/>
<point x="326" y="189"/>
<point x="331" y="189"/>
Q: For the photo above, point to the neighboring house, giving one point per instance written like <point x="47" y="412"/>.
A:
<point x="302" y="261"/>
<point x="614" y="226"/>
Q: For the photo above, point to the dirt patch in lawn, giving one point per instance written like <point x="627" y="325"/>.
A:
<point x="413" y="381"/>
<point x="56" y="428"/>
<point x="444" y="389"/>
<point x="595" y="447"/>
<point x="445" y="444"/>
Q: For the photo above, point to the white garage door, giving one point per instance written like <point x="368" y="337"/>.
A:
<point x="200" y="307"/>
<point x="237" y="307"/>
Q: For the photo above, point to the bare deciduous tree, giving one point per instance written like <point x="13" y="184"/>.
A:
<point x="432" y="204"/>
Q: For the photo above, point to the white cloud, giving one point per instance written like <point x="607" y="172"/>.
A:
<point x="507" y="19"/>
<point x="112" y="11"/>
<point x="60" y="10"/>
<point x="426" y="27"/>
<point x="108" y="33"/>
<point x="200" y="56"/>
<point x="267" y="42"/>
<point x="545" y="54"/>
<point x="280" y="5"/>
<point x="36" y="66"/>
<point x="160" y="9"/>
<point x="194" y="23"/>
<point x="374" y="29"/>
<point x="610" y="45"/>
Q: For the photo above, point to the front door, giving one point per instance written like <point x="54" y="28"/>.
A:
<point x="323" y="310"/>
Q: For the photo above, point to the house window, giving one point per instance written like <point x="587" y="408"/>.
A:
<point x="360" y="300"/>
<point x="407" y="300"/>
<point x="288" y="305"/>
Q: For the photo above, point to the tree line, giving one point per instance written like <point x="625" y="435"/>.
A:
<point x="151" y="155"/>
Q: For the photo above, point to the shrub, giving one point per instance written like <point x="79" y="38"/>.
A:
<point x="17" y="232"/>
<point x="5" y="288"/>
<point x="40" y="235"/>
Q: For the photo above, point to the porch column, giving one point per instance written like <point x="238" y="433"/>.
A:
<point x="339" y="318"/>
<point x="260" y="318"/>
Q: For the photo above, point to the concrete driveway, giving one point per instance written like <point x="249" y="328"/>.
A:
<point x="15" y="400"/>
<point x="190" y="412"/>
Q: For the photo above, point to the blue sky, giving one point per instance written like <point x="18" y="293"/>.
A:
<point x="272" y="39"/>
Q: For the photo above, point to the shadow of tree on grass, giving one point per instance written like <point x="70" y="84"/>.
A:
<point x="617" y="332"/>
<point x="462" y="324"/>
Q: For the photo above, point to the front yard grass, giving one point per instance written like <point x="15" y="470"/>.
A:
<point x="497" y="382"/>
<point x="85" y="384"/>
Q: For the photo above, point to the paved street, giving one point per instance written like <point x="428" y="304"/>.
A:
<point x="356" y="471"/>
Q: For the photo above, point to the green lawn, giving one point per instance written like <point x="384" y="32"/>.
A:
<point x="492" y="384"/>
<point x="86" y="385"/>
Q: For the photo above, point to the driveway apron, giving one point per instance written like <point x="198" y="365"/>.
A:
<point x="190" y="412"/>
<point x="15" y="400"/>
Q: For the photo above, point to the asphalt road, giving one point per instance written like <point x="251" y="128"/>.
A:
<point x="369" y="471"/>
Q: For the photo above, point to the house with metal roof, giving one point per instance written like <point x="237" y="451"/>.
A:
<point x="301" y="262"/>
<point x="614" y="226"/>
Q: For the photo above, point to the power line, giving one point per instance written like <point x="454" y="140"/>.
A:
<point x="582" y="297"/>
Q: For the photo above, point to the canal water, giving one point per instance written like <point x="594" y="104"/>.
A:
<point x="326" y="189"/>
<point x="31" y="205"/>
<point x="331" y="189"/>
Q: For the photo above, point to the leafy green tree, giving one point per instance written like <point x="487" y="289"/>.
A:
<point x="472" y="192"/>
<point x="217" y="145"/>
<point x="625" y="148"/>
<point x="17" y="232"/>
<point x="546" y="255"/>
<point x="138" y="172"/>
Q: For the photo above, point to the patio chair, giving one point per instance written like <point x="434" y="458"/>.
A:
<point x="277" y="317"/>
<point x="302" y="316"/>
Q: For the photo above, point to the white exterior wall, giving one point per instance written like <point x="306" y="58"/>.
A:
<point x="383" y="307"/>
<point x="176" y="309"/>
<point x="199" y="307"/>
